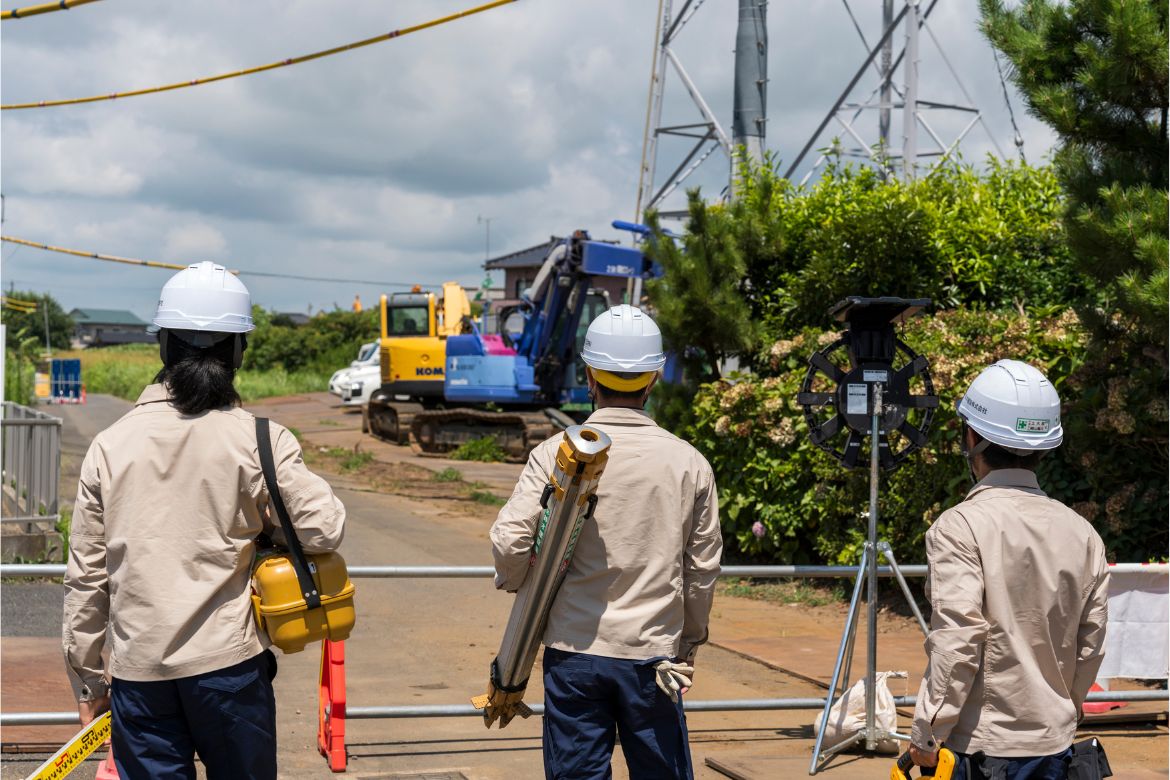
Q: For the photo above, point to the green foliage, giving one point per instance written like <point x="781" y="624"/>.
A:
<point x="486" y="498"/>
<point x="808" y="508"/>
<point x="1096" y="71"/>
<point x="988" y="239"/>
<point x="699" y="302"/>
<point x="356" y="461"/>
<point x="33" y="323"/>
<point x="485" y="449"/>
<point x="448" y="474"/>
<point x="124" y="370"/>
<point x="20" y="358"/>
<point x="325" y="343"/>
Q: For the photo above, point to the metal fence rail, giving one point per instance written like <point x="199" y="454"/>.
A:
<point x="479" y="572"/>
<point x="31" y="464"/>
<point x="466" y="710"/>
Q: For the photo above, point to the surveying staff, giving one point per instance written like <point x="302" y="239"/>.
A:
<point x="626" y="624"/>
<point x="170" y="501"/>
<point x="1017" y="588"/>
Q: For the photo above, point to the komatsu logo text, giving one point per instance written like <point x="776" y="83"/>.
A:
<point x="428" y="371"/>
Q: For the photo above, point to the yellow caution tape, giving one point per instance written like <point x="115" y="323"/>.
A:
<point x="45" y="8"/>
<point x="17" y="304"/>
<point x="261" y="68"/>
<point x="94" y="255"/>
<point x="75" y="751"/>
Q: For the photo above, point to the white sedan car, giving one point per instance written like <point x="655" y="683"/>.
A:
<point x="354" y="384"/>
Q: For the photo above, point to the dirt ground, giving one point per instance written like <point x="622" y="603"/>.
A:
<point x="430" y="641"/>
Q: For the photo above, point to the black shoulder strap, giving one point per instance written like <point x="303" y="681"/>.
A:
<point x="264" y="447"/>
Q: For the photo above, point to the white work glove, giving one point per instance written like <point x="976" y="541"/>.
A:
<point x="673" y="677"/>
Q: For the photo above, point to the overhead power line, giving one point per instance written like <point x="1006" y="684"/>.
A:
<point x="261" y="68"/>
<point x="44" y="8"/>
<point x="177" y="267"/>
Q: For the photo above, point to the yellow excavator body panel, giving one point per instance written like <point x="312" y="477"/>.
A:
<point x="413" y="345"/>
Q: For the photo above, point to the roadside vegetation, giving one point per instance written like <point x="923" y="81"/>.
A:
<point x="484" y="450"/>
<point x="1061" y="265"/>
<point x="282" y="358"/>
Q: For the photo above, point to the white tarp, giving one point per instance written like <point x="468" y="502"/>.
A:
<point x="1137" y="638"/>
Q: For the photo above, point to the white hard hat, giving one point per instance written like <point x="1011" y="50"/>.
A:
<point x="204" y="297"/>
<point x="623" y="339"/>
<point x="1013" y="405"/>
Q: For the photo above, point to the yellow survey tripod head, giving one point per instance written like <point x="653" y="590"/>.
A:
<point x="942" y="771"/>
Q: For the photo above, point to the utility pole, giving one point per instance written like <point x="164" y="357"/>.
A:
<point x="751" y="81"/>
<point x="487" y="239"/>
<point x="887" y="92"/>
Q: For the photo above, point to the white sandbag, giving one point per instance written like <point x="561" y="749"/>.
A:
<point x="847" y="715"/>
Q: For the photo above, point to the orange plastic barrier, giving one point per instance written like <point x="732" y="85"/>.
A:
<point x="331" y="705"/>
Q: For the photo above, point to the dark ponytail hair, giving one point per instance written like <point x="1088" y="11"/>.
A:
<point x="199" y="379"/>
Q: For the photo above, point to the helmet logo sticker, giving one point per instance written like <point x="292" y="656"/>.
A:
<point x="977" y="407"/>
<point x="1025" y="425"/>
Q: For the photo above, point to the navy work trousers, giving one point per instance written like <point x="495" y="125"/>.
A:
<point x="1053" y="767"/>
<point x="227" y="716"/>
<point x="589" y="700"/>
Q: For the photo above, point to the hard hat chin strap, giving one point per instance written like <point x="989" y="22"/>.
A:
<point x="970" y="454"/>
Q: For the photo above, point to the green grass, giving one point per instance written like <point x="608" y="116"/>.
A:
<point x="485" y="450"/>
<point x="123" y="371"/>
<point x="448" y="474"/>
<point x="487" y="498"/>
<point x="356" y="461"/>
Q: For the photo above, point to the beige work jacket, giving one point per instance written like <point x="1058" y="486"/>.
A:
<point x="1017" y="587"/>
<point x="643" y="574"/>
<point x="161" y="545"/>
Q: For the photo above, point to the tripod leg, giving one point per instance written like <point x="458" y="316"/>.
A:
<point x="885" y="549"/>
<point x="846" y="646"/>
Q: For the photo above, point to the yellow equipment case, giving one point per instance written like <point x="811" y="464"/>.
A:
<point x="297" y="599"/>
<point x="281" y="609"/>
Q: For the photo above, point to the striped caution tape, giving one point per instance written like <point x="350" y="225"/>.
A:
<point x="44" y="8"/>
<point x="75" y="751"/>
<point x="261" y="68"/>
<point x="19" y="304"/>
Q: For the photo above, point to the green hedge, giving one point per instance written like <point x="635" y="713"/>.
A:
<point x="783" y="499"/>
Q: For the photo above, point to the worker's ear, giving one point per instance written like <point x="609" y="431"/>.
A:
<point x="649" y="387"/>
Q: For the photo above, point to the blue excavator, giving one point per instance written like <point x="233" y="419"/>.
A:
<point x="525" y="383"/>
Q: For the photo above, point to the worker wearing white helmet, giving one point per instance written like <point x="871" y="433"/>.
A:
<point x="170" y="501"/>
<point x="1017" y="586"/>
<point x="633" y="610"/>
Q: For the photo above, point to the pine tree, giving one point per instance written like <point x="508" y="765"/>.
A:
<point x="1096" y="71"/>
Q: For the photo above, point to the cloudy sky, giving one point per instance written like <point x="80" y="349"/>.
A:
<point x="376" y="164"/>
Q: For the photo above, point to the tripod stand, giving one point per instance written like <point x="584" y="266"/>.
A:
<point x="867" y="572"/>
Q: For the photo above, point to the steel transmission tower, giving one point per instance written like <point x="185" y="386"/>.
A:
<point x="750" y="88"/>
<point x="909" y="155"/>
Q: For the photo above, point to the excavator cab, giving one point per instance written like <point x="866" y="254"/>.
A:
<point x="413" y="349"/>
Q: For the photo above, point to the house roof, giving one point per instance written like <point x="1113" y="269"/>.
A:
<point x="105" y="317"/>
<point x="532" y="257"/>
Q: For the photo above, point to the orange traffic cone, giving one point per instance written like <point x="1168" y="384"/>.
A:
<point x="107" y="770"/>
<point x="1098" y="707"/>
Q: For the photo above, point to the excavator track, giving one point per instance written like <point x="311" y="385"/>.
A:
<point x="437" y="432"/>
<point x="390" y="420"/>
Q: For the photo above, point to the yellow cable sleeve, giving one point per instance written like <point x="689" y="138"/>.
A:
<point x="261" y="68"/>
<point x="44" y="8"/>
<point x="94" y="255"/>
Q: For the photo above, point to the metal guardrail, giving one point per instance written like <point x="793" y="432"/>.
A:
<point x="466" y="710"/>
<point x="478" y="572"/>
<point x="481" y="572"/>
<point x="31" y="465"/>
